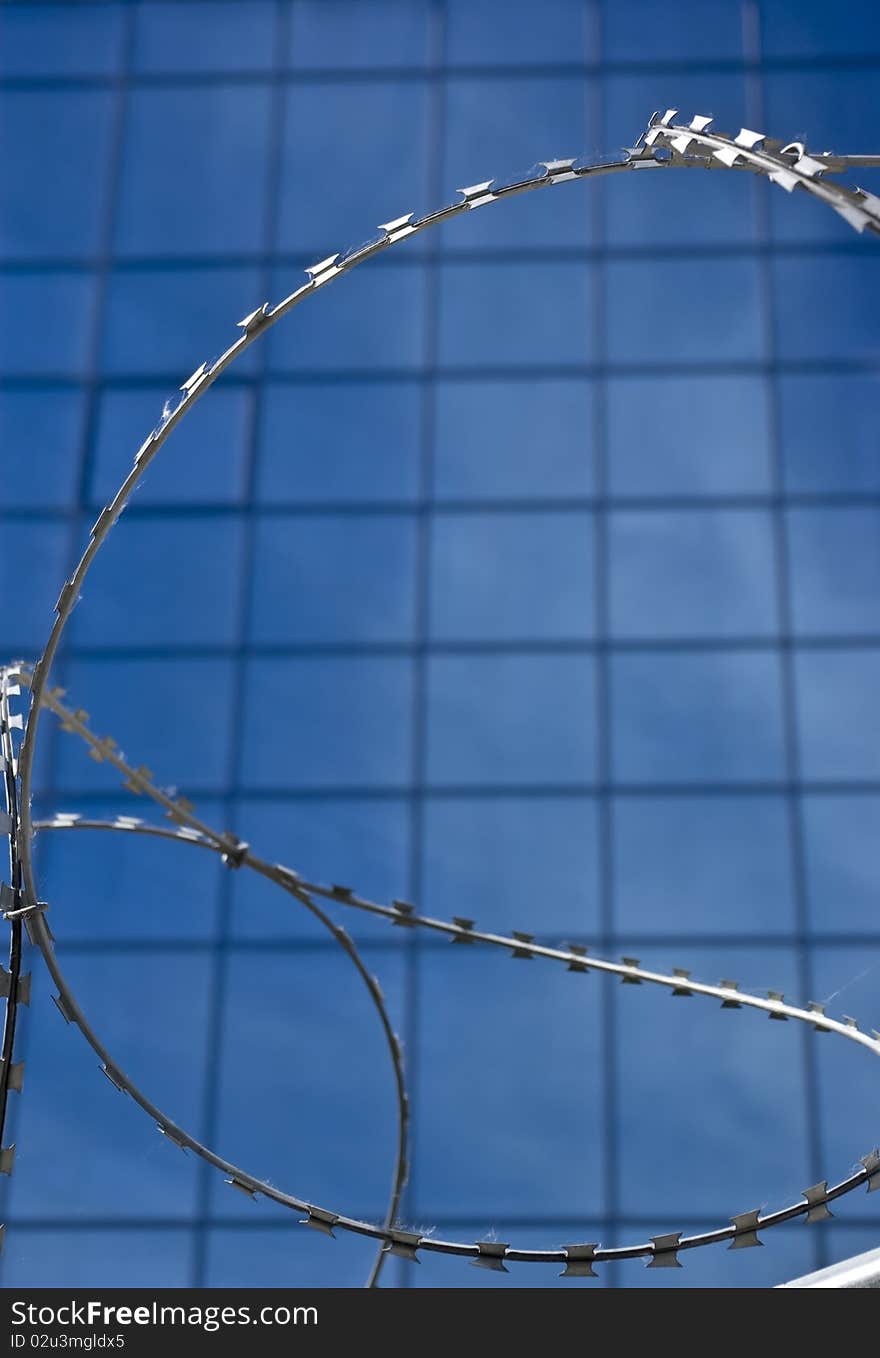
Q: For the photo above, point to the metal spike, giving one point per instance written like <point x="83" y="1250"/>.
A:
<point x="254" y="319"/>
<point x="523" y="952"/>
<point x="668" y="116"/>
<point x="402" y="911"/>
<point x="9" y="898"/>
<point x="681" y="144"/>
<point x="817" y="1200"/>
<point x="748" y="139"/>
<point x="319" y="1220"/>
<point x="478" y="194"/>
<point x="850" y="1021"/>
<point x="665" y="1251"/>
<point x="778" y="998"/>
<point x="175" y="1136"/>
<point x="23" y="994"/>
<point x="808" y="166"/>
<point x="141" y="772"/>
<point x="785" y="179"/>
<point x="491" y="1256"/>
<point x="746" y="1228"/>
<point x="16" y="1076"/>
<point x="579" y="1261"/>
<point x="681" y="989"/>
<point x="579" y="951"/>
<point x="322" y="268"/>
<point x="195" y="379"/>
<point x="699" y="123"/>
<point x="730" y="1004"/>
<point x="631" y="962"/>
<point x="399" y="228"/>
<point x="234" y="850"/>
<point x="114" y="1077"/>
<point x="341" y="893"/>
<point x="465" y="926"/>
<point x="64" y="1009"/>
<point x="728" y="155"/>
<point x="404" y="1244"/>
<point x="871" y="1164"/>
<point x="856" y="216"/>
<point x="819" y="1010"/>
<point x="7" y="1159"/>
<point x="560" y="170"/>
<point x="241" y="1186"/>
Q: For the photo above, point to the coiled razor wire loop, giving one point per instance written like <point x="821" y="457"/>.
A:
<point x="665" y="144"/>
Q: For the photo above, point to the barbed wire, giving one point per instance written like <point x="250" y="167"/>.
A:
<point x="666" y="143"/>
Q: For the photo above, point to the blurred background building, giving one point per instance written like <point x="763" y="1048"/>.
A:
<point x="530" y="573"/>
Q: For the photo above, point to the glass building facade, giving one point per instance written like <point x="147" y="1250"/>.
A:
<point x="530" y="573"/>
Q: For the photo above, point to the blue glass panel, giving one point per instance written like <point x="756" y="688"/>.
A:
<point x="511" y="719"/>
<point x="212" y="37"/>
<point x="804" y="30"/>
<point x="329" y="722"/>
<point x="511" y="576"/>
<point x="838" y="695"/>
<point x="33" y="345"/>
<point x="204" y="150"/>
<point x="692" y="31"/>
<point x="334" y="579"/>
<point x="115" y="885"/>
<point x="370" y="320"/>
<point x="479" y="35"/>
<point x="61" y="39"/>
<point x="342" y="35"/>
<point x="98" y="1258"/>
<point x="678" y="207"/>
<point x="513" y="314"/>
<point x="167" y="321"/>
<point x="342" y="129"/>
<point x="32" y="571"/>
<point x="686" y="573"/>
<point x="841" y="292"/>
<point x="697" y="717"/>
<point x="172" y="714"/>
<point x="835" y="561"/>
<point x="688" y="436"/>
<point x="204" y="458"/>
<point x="735" y="1059"/>
<point x="719" y="865"/>
<point x="339" y="441"/>
<point x="843" y="868"/>
<point x="493" y="126"/>
<point x="829" y="432"/>
<point x="318" y="1111"/>
<point x="489" y="1144"/>
<point x="287" y="1256"/>
<point x="514" y="439"/>
<point x="159" y="579"/>
<point x="699" y="310"/>
<point x="524" y="863"/>
<point x="52" y="144"/>
<point x="40" y="434"/>
<point x="360" y="843"/>
<point x="115" y="1163"/>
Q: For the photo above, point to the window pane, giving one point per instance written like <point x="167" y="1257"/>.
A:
<point x="843" y="868"/>
<point x="696" y="718"/>
<point x="838" y="702"/>
<point x="342" y="441"/>
<point x="476" y="702"/>
<point x="670" y="207"/>
<point x="495" y="128"/>
<point x="99" y="1258"/>
<point x="339" y="34"/>
<point x="695" y="311"/>
<point x="34" y="561"/>
<point x="835" y="561"/>
<point x="727" y="1069"/>
<point x="688" y="436"/>
<point x="545" y="1124"/>
<point x="719" y="865"/>
<point x="334" y="579"/>
<point x="204" y="458"/>
<point x="695" y="29"/>
<point x="169" y="320"/>
<point x="511" y="576"/>
<point x="272" y="1258"/>
<point x="804" y="30"/>
<point x="359" y="843"/>
<point x="60" y="39"/>
<point x="32" y="346"/>
<point x="843" y="324"/>
<point x="40" y="434"/>
<point x="372" y="319"/>
<point x="481" y="32"/>
<point x="346" y="127"/>
<point x="513" y="314"/>
<point x="687" y="573"/>
<point x="214" y="37"/>
<point x="159" y="579"/>
<point x="182" y="731"/>
<point x="51" y="145"/>
<point x="348" y="722"/>
<point x="531" y="438"/>
<point x="204" y="150"/>
<point x="518" y="863"/>
<point x="829" y="432"/>
<point x="847" y="977"/>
